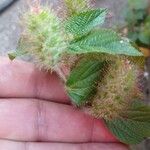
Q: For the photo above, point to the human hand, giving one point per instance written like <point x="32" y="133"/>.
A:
<point x="35" y="114"/>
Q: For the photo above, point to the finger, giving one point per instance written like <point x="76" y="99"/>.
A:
<point x="9" y="145"/>
<point x="35" y="120"/>
<point x="22" y="79"/>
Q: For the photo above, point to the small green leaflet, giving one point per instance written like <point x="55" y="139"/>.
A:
<point x="84" y="22"/>
<point x="103" y="41"/>
<point x="15" y="54"/>
<point x="81" y="84"/>
<point x="134" y="125"/>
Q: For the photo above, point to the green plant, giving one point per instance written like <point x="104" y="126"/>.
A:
<point x="138" y="22"/>
<point x="103" y="68"/>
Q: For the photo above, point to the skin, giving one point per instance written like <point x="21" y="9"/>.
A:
<point x="36" y="114"/>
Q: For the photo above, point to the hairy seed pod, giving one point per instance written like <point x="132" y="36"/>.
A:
<point x="76" y="6"/>
<point x="44" y="38"/>
<point x="117" y="90"/>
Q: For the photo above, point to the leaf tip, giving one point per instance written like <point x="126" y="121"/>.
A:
<point x="11" y="56"/>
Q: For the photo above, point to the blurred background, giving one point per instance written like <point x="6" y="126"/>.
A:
<point x="129" y="17"/>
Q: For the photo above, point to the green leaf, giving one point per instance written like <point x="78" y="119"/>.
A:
<point x="103" y="41"/>
<point x="81" y="84"/>
<point x="138" y="112"/>
<point x="133" y="17"/>
<point x="133" y="126"/>
<point x="15" y="54"/>
<point x="144" y="38"/>
<point x="128" y="131"/>
<point x="133" y="36"/>
<point x="138" y="4"/>
<point x="144" y="35"/>
<point x="84" y="22"/>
